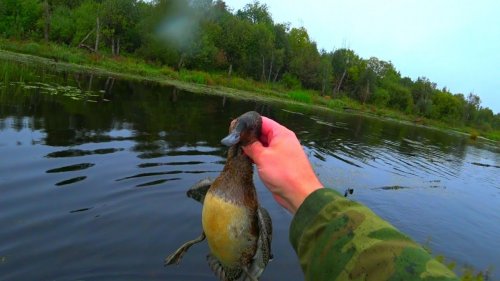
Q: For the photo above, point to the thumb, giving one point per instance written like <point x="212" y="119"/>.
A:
<point x="254" y="151"/>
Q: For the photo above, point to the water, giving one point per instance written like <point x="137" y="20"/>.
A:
<point x="93" y="178"/>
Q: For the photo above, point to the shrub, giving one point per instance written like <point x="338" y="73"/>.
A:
<point x="336" y="103"/>
<point x="290" y="81"/>
<point x="380" y="97"/>
<point x="170" y="72"/>
<point x="32" y="48"/>
<point x="240" y="83"/>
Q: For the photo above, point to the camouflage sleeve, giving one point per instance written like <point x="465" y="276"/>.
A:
<point x="338" y="239"/>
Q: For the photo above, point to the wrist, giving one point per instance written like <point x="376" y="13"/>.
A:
<point x="302" y="191"/>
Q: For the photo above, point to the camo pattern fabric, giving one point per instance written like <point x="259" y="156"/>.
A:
<point x="338" y="239"/>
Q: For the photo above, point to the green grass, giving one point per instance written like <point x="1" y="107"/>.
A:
<point x="492" y="135"/>
<point x="343" y="103"/>
<point x="301" y="96"/>
<point x="52" y="51"/>
<point x="15" y="72"/>
<point x="197" y="77"/>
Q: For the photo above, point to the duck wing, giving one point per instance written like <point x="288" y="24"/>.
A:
<point x="263" y="254"/>
<point x="266" y="233"/>
<point x="199" y="190"/>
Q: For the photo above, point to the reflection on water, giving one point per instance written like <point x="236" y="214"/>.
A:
<point x="70" y="168"/>
<point x="93" y="182"/>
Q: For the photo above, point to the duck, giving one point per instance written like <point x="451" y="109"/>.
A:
<point x="237" y="228"/>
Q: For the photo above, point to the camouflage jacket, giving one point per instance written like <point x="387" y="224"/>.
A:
<point x="338" y="239"/>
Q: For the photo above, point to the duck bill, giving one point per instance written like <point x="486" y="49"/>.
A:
<point x="231" y="139"/>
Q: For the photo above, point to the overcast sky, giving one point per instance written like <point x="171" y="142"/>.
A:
<point x="454" y="43"/>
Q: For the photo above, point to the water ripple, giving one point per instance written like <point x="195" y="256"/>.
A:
<point x="71" y="181"/>
<point x="158" y="154"/>
<point x="80" y="210"/>
<point x="156" y="182"/>
<point x="164" y="173"/>
<point x="71" y="168"/>
<point x="345" y="160"/>
<point x="150" y="165"/>
<point x="484" y="165"/>
<point x="80" y="152"/>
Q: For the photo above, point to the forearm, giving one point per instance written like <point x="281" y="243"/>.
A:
<point x="338" y="239"/>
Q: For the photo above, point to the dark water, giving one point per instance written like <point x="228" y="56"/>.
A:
<point x="93" y="178"/>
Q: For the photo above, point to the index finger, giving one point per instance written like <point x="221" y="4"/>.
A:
<point x="270" y="129"/>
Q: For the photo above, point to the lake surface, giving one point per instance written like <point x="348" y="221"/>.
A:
<point x="94" y="170"/>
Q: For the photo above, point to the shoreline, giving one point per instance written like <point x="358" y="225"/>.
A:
<point x="212" y="89"/>
<point x="166" y="81"/>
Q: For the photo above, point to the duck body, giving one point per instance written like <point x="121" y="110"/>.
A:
<point x="229" y="215"/>
<point x="238" y="230"/>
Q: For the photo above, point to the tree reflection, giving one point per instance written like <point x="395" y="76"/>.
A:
<point x="163" y="117"/>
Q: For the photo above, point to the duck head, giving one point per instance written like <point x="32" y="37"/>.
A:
<point x="245" y="130"/>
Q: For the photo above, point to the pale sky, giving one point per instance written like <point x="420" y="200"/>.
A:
<point x="454" y="43"/>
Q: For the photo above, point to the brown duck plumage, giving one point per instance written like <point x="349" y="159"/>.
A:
<point x="237" y="229"/>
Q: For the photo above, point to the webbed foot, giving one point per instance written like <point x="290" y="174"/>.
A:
<point x="176" y="257"/>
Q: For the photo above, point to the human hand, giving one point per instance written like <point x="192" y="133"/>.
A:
<point x="282" y="165"/>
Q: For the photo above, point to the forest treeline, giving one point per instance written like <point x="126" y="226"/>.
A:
<point x="207" y="35"/>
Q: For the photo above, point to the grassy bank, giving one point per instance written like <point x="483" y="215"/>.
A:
<point x="128" y="65"/>
<point x="62" y="57"/>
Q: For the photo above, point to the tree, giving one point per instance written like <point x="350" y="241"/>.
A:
<point x="87" y="25"/>
<point x="446" y="107"/>
<point x="365" y="84"/>
<point x="63" y="27"/>
<point x="484" y="119"/>
<point x="153" y="46"/>
<point x="326" y="71"/>
<point x="234" y="39"/>
<point x="202" y="53"/>
<point x="496" y="122"/>
<point x="46" y="18"/>
<point x="389" y="85"/>
<point x="422" y="92"/>
<point x="377" y="78"/>
<point x="281" y="52"/>
<point x="472" y="107"/>
<point x="346" y="65"/>
<point x="259" y="51"/>
<point x="305" y="60"/>
<point x="256" y="13"/>
<point x="118" y="18"/>
<point x="18" y="18"/>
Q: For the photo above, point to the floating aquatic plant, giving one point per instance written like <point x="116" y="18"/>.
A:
<point x="56" y="89"/>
